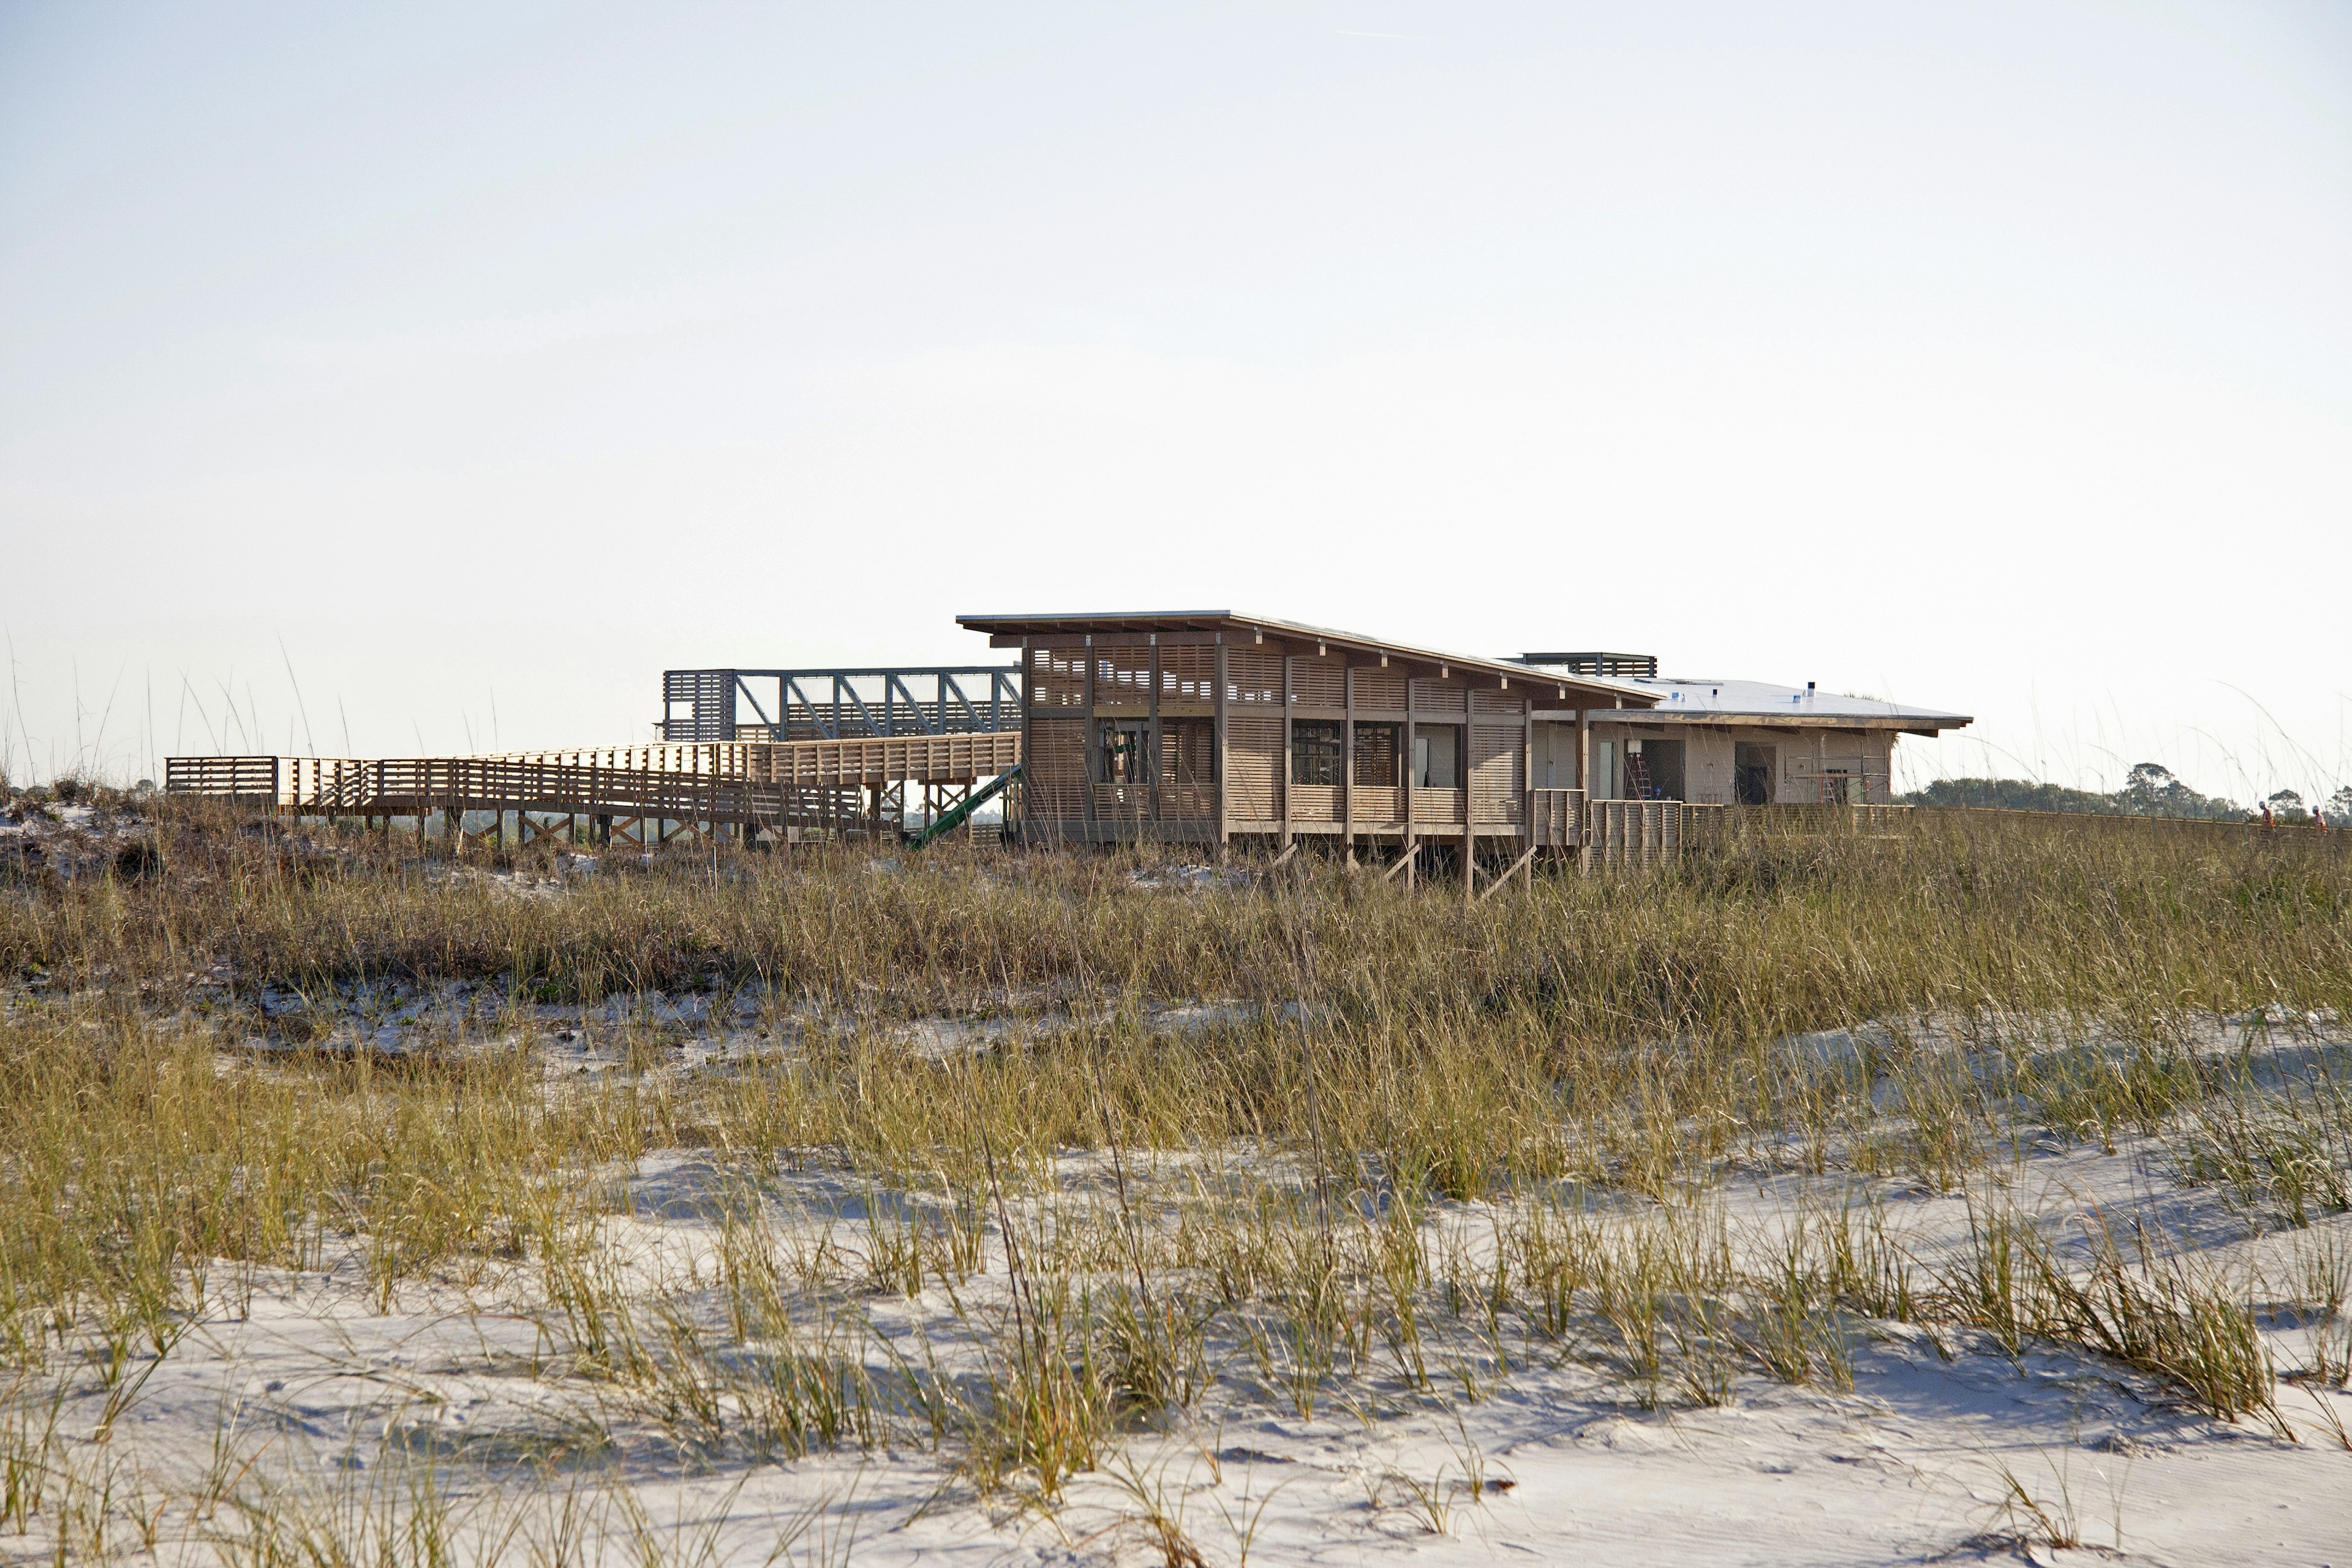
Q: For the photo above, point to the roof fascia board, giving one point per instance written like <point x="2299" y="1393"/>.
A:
<point x="1910" y="724"/>
<point x="1530" y="677"/>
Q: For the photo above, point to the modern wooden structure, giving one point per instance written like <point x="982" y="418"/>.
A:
<point x="1191" y="727"/>
<point x="1214" y="727"/>
<point x="1210" y="726"/>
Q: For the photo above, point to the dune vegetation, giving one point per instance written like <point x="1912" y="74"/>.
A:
<point x="1023" y="1162"/>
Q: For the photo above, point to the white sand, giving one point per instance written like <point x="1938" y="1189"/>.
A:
<point x="299" y="1388"/>
<point x="1556" y="1464"/>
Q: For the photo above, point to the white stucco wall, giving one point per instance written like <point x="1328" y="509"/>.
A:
<point x="1800" y="757"/>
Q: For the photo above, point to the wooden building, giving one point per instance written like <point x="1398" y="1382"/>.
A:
<point x="1209" y="726"/>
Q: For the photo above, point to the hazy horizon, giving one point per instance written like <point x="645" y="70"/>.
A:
<point x="432" y="378"/>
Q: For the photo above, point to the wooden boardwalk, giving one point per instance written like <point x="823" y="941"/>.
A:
<point x="634" y="793"/>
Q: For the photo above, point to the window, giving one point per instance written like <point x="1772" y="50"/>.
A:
<point x="1437" y="756"/>
<point x="1315" y="751"/>
<point x="1375" y="762"/>
<point x="1123" y="756"/>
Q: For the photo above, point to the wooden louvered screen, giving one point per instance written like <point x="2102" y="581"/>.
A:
<point x="1188" y="751"/>
<point x="1436" y="696"/>
<point x="1054" y="773"/>
<point x="1253" y="763"/>
<point x="1057" y="678"/>
<point x="1188" y="673"/>
<point x="1380" y="689"/>
<point x="1318" y="682"/>
<point x="1254" y="675"/>
<point x="1498" y="738"/>
<point x="1123" y="678"/>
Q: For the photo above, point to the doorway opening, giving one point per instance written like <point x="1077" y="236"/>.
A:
<point x="1654" y="770"/>
<point x="1122" y="751"/>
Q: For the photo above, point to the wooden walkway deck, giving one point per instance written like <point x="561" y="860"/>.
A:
<point x="638" y="793"/>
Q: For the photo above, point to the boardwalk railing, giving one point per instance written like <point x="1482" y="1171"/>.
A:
<point x="1620" y="835"/>
<point x="1555" y="818"/>
<point x="244" y="779"/>
<point x="793" y="783"/>
<point x="1641" y="834"/>
<point x="920" y="759"/>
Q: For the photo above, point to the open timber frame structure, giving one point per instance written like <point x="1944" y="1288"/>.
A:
<point x="1212" y="727"/>
<point x="838" y="704"/>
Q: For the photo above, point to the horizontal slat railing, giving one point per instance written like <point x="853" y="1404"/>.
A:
<point x="1436" y="807"/>
<point x="1633" y="833"/>
<point x="721" y="781"/>
<point x="1557" y="817"/>
<point x="928" y="758"/>
<point x="235" y="778"/>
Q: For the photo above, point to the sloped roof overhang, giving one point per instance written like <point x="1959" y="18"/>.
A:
<point x="1913" y="723"/>
<point x="1007" y="631"/>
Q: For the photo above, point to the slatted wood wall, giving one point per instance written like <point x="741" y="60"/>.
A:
<point x="1253" y="721"/>
<point x="1497" y="765"/>
<point x="1268" y="686"/>
<point x="1252" y="675"/>
<point x="1053" y="780"/>
<point x="1383" y="689"/>
<point x="1057" y="678"/>
<point x="1188" y="677"/>
<point x="1437" y="697"/>
<point x="1123" y="678"/>
<point x="1318" y="682"/>
<point x="1187" y="752"/>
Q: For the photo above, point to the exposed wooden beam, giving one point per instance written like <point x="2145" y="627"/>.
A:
<point x="1517" y="866"/>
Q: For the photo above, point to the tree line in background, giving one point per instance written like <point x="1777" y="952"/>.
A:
<point x="2149" y="789"/>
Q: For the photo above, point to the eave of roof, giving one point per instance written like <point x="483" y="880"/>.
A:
<point x="1527" y="675"/>
<point x="1685" y="700"/>
<point x="1909" y="722"/>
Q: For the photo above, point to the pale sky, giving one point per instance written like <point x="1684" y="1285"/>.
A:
<point x="479" y="362"/>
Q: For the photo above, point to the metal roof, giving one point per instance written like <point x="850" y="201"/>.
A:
<point x="1688" y="701"/>
<point x="1233" y="620"/>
